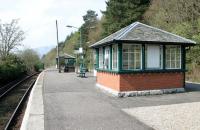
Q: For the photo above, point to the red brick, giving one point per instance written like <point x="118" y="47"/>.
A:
<point x="140" y="81"/>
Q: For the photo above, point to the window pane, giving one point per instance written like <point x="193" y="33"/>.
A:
<point x="178" y="64"/>
<point x="107" y="58"/>
<point x="167" y="56"/>
<point x="125" y="56"/>
<point x="114" y="57"/>
<point x="138" y="65"/>
<point x="100" y="57"/>
<point x="138" y="56"/>
<point x="173" y="64"/>
<point x="173" y="56"/>
<point x="167" y="64"/>
<point x="125" y="49"/>
<point x="178" y="56"/>
<point x="153" y="56"/>
<point x="131" y="56"/>
<point x="125" y="64"/>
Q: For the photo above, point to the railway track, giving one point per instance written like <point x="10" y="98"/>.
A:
<point x="12" y="100"/>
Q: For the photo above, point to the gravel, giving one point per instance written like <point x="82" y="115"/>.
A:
<point x="185" y="116"/>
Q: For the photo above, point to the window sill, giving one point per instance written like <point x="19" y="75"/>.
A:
<point x="142" y="71"/>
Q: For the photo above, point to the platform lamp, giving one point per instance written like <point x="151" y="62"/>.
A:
<point x="80" y="48"/>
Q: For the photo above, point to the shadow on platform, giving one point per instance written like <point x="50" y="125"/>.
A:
<point x="191" y="87"/>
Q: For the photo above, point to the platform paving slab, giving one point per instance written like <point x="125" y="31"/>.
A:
<point x="73" y="103"/>
<point x="34" y="114"/>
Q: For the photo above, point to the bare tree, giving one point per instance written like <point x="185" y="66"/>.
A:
<point x="30" y="58"/>
<point x="11" y="36"/>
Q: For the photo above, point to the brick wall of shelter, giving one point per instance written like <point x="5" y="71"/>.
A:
<point x="110" y="80"/>
<point x="149" y="81"/>
<point x="141" y="81"/>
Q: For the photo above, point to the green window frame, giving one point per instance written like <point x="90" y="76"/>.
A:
<point x="151" y="58"/>
<point x="131" y="57"/>
<point x="101" y="58"/>
<point x="173" y="57"/>
<point x="114" y="57"/>
<point x="107" y="58"/>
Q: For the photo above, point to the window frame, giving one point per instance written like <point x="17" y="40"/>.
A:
<point x="175" y="60"/>
<point x="161" y="58"/>
<point x="101" y="58"/>
<point x="107" y="56"/>
<point x="115" y="55"/>
<point x="134" y="57"/>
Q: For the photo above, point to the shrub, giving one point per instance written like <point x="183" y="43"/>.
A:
<point x="11" y="67"/>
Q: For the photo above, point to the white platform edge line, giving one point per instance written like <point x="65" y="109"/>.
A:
<point x="27" y="111"/>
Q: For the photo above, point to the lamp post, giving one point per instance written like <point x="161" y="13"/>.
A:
<point x="58" y="57"/>
<point x="80" y="48"/>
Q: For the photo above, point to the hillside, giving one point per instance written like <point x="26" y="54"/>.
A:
<point x="179" y="17"/>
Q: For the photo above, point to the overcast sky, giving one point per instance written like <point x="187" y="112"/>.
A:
<point x="37" y="17"/>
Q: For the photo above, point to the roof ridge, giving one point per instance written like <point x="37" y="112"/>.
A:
<point x="167" y="32"/>
<point x="109" y="35"/>
<point x="127" y="30"/>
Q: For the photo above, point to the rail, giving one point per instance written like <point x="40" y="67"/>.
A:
<point x="17" y="94"/>
<point x="18" y="108"/>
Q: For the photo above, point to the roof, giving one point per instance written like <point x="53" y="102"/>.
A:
<point x="141" y="32"/>
<point x="65" y="55"/>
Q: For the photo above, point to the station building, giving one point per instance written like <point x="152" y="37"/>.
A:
<point x="67" y="62"/>
<point x="140" y="60"/>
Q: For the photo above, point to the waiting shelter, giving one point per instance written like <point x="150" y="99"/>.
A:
<point x="67" y="62"/>
<point x="140" y="60"/>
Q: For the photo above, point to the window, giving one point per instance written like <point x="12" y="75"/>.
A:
<point x="114" y="57"/>
<point x="154" y="54"/>
<point x="107" y="58"/>
<point x="173" y="57"/>
<point x="131" y="56"/>
<point x="95" y="51"/>
<point x="101" y="58"/>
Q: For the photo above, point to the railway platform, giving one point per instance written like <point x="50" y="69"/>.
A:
<point x="64" y="101"/>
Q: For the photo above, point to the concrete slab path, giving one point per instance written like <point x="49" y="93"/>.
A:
<point x="73" y="103"/>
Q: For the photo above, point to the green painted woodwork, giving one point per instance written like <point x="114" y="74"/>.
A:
<point x="143" y="56"/>
<point x="183" y="55"/>
<point x="164" y="57"/>
<point x="119" y="56"/>
<point x="103" y="56"/>
<point x="143" y="70"/>
<point x="97" y="57"/>
<point x="110" y="57"/>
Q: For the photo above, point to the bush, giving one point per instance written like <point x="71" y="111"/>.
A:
<point x="31" y="60"/>
<point x="38" y="67"/>
<point x="11" y="67"/>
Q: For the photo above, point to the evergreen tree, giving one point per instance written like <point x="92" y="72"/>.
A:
<point x="90" y="21"/>
<point x="120" y="13"/>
